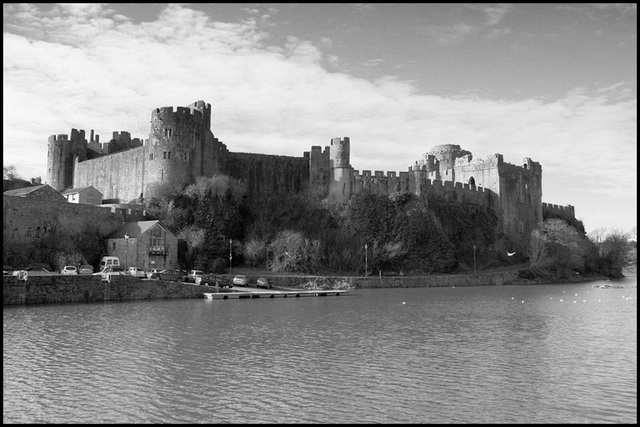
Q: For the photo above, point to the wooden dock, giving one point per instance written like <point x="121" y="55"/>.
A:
<point x="273" y="294"/>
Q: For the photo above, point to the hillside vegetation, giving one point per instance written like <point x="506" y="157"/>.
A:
<point x="395" y="234"/>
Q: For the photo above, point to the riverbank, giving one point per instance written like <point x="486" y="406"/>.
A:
<point x="58" y="289"/>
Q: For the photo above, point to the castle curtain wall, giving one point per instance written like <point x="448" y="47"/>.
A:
<point x="117" y="176"/>
<point x="267" y="174"/>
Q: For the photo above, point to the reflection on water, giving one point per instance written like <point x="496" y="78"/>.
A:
<point x="501" y="354"/>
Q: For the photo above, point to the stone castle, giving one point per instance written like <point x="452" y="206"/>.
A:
<point x="181" y="148"/>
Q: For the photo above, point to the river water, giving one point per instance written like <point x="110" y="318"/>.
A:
<point x="561" y="353"/>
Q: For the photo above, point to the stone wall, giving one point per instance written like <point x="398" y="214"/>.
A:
<point x="28" y="220"/>
<point x="267" y="174"/>
<point x="89" y="288"/>
<point x="479" y="279"/>
<point x="118" y="176"/>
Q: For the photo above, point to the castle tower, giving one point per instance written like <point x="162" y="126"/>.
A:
<point x="319" y="170"/>
<point x="173" y="152"/>
<point x="62" y="153"/>
<point x="202" y="150"/>
<point x="341" y="171"/>
<point x="446" y="155"/>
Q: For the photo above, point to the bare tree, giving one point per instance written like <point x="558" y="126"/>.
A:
<point x="9" y="172"/>
<point x="537" y="251"/>
<point x="598" y="235"/>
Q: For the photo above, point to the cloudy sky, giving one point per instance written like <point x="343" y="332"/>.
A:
<point x="552" y="82"/>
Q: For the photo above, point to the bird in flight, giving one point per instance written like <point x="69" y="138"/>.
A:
<point x="511" y="253"/>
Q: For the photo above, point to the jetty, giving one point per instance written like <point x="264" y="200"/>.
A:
<point x="235" y="294"/>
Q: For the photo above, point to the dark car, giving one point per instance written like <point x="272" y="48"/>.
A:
<point x="213" y="280"/>
<point x="171" y="275"/>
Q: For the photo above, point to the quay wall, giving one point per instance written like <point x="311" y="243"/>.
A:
<point x="61" y="289"/>
<point x="479" y="279"/>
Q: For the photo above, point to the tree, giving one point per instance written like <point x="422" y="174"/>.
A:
<point x="614" y="252"/>
<point x="556" y="245"/>
<point x="290" y="251"/>
<point x="9" y="172"/>
<point x="539" y="258"/>
<point x="598" y="235"/>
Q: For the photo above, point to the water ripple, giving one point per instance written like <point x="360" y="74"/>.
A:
<point x="448" y="355"/>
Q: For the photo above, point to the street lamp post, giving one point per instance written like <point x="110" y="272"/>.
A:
<point x="126" y="250"/>
<point x="230" y="256"/>
<point x="366" y="261"/>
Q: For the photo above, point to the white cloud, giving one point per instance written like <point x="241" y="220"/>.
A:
<point x="280" y="100"/>
<point x="450" y="34"/>
<point x="495" y="12"/>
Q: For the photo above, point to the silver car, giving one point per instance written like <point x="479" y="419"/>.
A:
<point x="69" y="269"/>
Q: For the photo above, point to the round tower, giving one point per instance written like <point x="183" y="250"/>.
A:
<point x="341" y="170"/>
<point x="175" y="141"/>
<point x="62" y="152"/>
<point x="446" y="155"/>
<point x="57" y="164"/>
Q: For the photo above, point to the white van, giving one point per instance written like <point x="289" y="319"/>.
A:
<point x="108" y="261"/>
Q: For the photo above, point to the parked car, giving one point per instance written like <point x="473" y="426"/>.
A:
<point x="240" y="280"/>
<point x="213" y="280"/>
<point x="107" y="272"/>
<point x="85" y="269"/>
<point x="171" y="275"/>
<point x="136" y="272"/>
<point x="263" y="283"/>
<point x="69" y="269"/>
<point x="193" y="275"/>
<point x="152" y="272"/>
<point x="7" y="270"/>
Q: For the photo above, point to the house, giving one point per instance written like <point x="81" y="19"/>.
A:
<point x="37" y="192"/>
<point x="146" y="244"/>
<point x="83" y="195"/>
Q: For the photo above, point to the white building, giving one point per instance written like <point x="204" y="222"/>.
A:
<point x="83" y="195"/>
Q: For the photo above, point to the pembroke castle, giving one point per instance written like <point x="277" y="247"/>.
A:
<point x="181" y="148"/>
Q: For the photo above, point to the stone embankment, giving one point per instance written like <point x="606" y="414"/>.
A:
<point x="81" y="288"/>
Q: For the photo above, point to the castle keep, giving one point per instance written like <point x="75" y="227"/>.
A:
<point x="181" y="148"/>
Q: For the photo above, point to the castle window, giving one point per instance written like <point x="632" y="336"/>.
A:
<point x="151" y="156"/>
<point x="164" y="154"/>
<point x="472" y="181"/>
<point x="169" y="156"/>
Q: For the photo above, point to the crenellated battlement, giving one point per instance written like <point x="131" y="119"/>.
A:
<point x="567" y="210"/>
<point x="181" y="148"/>
<point x="167" y="113"/>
